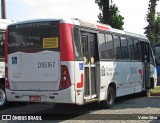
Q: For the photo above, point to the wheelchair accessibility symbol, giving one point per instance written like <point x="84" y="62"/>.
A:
<point x="14" y="60"/>
<point x="81" y="66"/>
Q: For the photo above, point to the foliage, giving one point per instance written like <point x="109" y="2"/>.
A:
<point x="156" y="90"/>
<point x="152" y="31"/>
<point x="110" y="14"/>
<point x="157" y="29"/>
<point x="115" y="20"/>
<point x="100" y="4"/>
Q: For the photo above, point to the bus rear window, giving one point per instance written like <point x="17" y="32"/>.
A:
<point x="30" y="39"/>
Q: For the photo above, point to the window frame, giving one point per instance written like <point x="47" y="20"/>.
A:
<point x="99" y="45"/>
<point x="128" y="59"/>
<point x="80" y="43"/>
<point x="117" y="59"/>
<point x="140" y="55"/>
<point x="112" y="45"/>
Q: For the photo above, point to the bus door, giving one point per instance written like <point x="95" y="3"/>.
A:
<point x="146" y="64"/>
<point x="90" y="51"/>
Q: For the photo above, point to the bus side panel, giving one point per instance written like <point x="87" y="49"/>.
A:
<point x="79" y="82"/>
<point x="67" y="54"/>
<point x="125" y="74"/>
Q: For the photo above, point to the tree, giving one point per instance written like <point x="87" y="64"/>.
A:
<point x="115" y="19"/>
<point x="152" y="31"/>
<point x="104" y="7"/>
<point x="157" y="29"/>
<point x="110" y="14"/>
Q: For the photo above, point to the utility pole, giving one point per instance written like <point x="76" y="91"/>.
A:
<point x="105" y="11"/>
<point x="3" y="9"/>
<point x="104" y="6"/>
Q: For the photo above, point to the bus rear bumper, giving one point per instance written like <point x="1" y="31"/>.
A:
<point x="63" y="96"/>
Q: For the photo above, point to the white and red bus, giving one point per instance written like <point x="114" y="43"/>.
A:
<point x="3" y="25"/>
<point x="76" y="62"/>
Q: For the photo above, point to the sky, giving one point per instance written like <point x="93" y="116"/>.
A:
<point x="134" y="11"/>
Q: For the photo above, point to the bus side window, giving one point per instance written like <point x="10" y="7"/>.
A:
<point x="136" y="49"/>
<point x="117" y="47"/>
<point x="102" y="46"/>
<point x="147" y="52"/>
<point x="109" y="46"/>
<point x="77" y="44"/>
<point x="131" y="48"/>
<point x="85" y="50"/>
<point x="124" y="48"/>
<point x="93" y="49"/>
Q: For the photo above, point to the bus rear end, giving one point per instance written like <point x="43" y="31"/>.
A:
<point x="34" y="67"/>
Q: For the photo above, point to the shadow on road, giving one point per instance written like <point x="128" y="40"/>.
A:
<point x="63" y="112"/>
<point x="68" y="111"/>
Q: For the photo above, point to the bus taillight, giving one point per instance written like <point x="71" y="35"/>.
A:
<point x="7" y="85"/>
<point x="65" y="78"/>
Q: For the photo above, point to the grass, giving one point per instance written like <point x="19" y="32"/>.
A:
<point x="156" y="90"/>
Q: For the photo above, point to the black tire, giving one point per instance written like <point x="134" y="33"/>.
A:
<point x="109" y="102"/>
<point x="3" y="99"/>
<point x="145" y="93"/>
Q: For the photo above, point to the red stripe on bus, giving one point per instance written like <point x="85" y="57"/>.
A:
<point x="80" y="84"/>
<point x="102" y="27"/>
<point x="66" y="46"/>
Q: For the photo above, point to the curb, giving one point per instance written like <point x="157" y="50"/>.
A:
<point x="155" y="94"/>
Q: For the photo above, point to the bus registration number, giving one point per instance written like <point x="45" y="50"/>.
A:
<point x="35" y="98"/>
<point x="46" y="64"/>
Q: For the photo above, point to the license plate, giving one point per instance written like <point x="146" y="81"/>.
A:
<point x="35" y="98"/>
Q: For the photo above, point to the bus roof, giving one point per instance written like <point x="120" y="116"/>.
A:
<point x="71" y="21"/>
<point x="4" y="23"/>
<point x="136" y="35"/>
<point x="89" y="24"/>
<point x="108" y="28"/>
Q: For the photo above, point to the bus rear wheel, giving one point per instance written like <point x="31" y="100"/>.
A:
<point x="145" y="93"/>
<point x="109" y="102"/>
<point x="3" y="100"/>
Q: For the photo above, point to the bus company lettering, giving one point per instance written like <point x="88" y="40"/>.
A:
<point x="109" y="71"/>
<point x="22" y="44"/>
<point x="133" y="70"/>
<point x="33" y="25"/>
<point x="14" y="44"/>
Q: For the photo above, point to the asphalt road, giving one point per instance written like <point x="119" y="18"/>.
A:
<point x="130" y="108"/>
